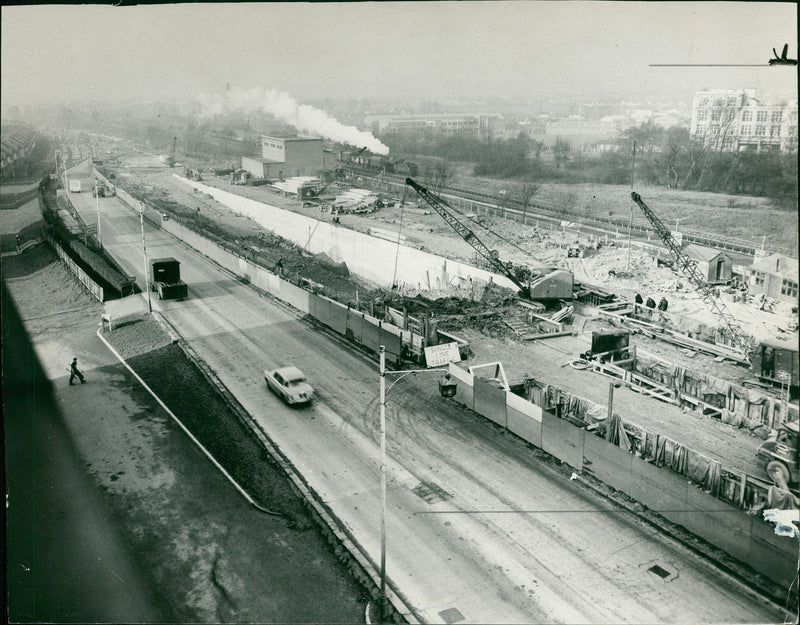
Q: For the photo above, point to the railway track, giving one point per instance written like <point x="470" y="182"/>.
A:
<point x="514" y="209"/>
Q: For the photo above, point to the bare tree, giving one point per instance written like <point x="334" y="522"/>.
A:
<point x="438" y="175"/>
<point x="526" y="192"/>
<point x="560" y="149"/>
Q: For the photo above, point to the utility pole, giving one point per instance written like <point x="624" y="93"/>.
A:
<point x="382" y="595"/>
<point x="97" y="204"/>
<point x="144" y="254"/>
<point x="630" y="218"/>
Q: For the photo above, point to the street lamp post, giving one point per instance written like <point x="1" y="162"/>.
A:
<point x="144" y="254"/>
<point x="446" y="389"/>
<point x="97" y="204"/>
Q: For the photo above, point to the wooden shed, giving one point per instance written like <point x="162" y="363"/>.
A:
<point x="715" y="265"/>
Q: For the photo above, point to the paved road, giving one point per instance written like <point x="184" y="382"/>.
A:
<point x="506" y="539"/>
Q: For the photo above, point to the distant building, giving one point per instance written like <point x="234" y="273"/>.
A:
<point x="734" y="120"/>
<point x="451" y="124"/>
<point x="775" y="276"/>
<point x="286" y="157"/>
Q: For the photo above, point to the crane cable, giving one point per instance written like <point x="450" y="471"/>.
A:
<point x="486" y="228"/>
<point x="399" y="232"/>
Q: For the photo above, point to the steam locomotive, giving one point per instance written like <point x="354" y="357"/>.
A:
<point x="378" y="164"/>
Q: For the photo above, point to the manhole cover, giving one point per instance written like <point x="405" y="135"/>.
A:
<point x="430" y="493"/>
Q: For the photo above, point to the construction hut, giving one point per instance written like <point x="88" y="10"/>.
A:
<point x="715" y="266"/>
<point x="775" y="276"/>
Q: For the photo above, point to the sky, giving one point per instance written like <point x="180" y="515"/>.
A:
<point x="425" y="50"/>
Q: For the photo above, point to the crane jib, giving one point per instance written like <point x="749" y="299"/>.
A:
<point x="440" y="206"/>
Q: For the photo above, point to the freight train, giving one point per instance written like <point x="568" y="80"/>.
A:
<point x="378" y="164"/>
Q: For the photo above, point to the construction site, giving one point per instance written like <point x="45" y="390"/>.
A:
<point x="683" y="328"/>
<point x="679" y="356"/>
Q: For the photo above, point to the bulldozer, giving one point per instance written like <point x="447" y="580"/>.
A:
<point x="779" y="455"/>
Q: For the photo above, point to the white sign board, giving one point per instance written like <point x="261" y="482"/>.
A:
<point x="440" y="355"/>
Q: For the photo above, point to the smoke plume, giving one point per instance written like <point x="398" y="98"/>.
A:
<point x="304" y="117"/>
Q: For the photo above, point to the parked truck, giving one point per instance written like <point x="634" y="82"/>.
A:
<point x="165" y="278"/>
<point x="779" y="455"/>
<point x="777" y="363"/>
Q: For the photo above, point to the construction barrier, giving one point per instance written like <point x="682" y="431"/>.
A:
<point x="490" y="400"/>
<point x="95" y="289"/>
<point x="745" y="537"/>
<point x="524" y="419"/>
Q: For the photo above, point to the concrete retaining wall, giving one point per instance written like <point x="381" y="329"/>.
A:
<point x="367" y="256"/>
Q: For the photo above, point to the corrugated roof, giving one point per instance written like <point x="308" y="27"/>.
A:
<point x="705" y="254"/>
<point x="777" y="264"/>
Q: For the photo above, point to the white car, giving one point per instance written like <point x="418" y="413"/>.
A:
<point x="290" y="385"/>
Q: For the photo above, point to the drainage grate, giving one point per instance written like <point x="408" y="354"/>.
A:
<point x="661" y="572"/>
<point x="451" y="615"/>
<point x="431" y="493"/>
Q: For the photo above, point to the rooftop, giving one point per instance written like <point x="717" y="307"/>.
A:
<point x="777" y="263"/>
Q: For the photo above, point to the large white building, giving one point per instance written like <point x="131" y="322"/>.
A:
<point x="733" y="120"/>
<point x="446" y="123"/>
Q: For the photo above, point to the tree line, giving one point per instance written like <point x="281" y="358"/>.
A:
<point x="663" y="157"/>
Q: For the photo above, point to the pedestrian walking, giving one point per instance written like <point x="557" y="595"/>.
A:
<point x="74" y="372"/>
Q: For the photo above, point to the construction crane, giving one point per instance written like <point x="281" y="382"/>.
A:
<point x="468" y="235"/>
<point x="689" y="269"/>
<point x="554" y="285"/>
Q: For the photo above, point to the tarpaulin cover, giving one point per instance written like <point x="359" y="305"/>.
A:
<point x="781" y="499"/>
<point x="615" y="433"/>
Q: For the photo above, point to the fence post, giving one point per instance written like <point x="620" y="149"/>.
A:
<point x="742" y="487"/>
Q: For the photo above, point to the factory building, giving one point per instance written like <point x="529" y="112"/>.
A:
<point x="286" y="157"/>
<point x="724" y="119"/>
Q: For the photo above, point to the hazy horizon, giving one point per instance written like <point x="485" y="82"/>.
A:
<point x="443" y="50"/>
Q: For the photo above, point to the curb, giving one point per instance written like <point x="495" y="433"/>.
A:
<point x="184" y="428"/>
